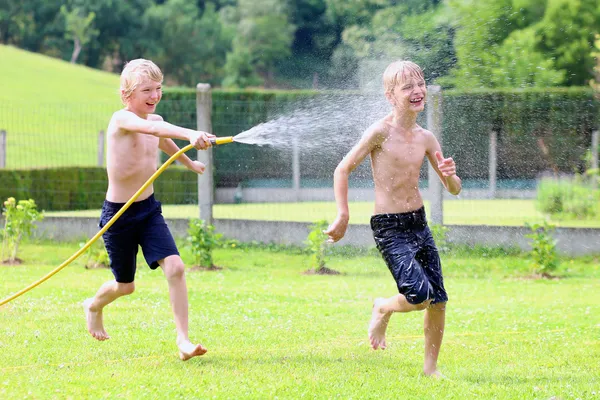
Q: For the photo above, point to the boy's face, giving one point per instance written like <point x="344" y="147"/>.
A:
<point x="409" y="94"/>
<point x="145" y="97"/>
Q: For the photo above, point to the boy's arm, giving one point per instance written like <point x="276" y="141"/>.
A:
<point x="169" y="147"/>
<point x="444" y="167"/>
<point x="370" y="139"/>
<point x="128" y="121"/>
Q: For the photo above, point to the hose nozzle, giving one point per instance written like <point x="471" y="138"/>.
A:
<point x="221" y="140"/>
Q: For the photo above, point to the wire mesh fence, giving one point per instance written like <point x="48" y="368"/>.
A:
<point x="304" y="138"/>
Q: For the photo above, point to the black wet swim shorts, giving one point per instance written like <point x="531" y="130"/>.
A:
<point x="406" y="244"/>
<point x="142" y="224"/>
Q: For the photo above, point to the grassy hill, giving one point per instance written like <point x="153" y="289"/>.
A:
<point x="53" y="110"/>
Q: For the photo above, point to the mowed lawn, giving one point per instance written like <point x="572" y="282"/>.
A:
<point x="274" y="332"/>
<point x="52" y="110"/>
<point x="507" y="212"/>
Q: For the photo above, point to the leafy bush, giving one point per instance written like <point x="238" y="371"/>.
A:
<point x="567" y="198"/>
<point x="202" y="240"/>
<point x="439" y="233"/>
<point x="19" y="221"/>
<point x="96" y="255"/>
<point x="543" y="248"/>
<point x="316" y="243"/>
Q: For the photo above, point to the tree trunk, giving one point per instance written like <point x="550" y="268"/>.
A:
<point x="76" y="50"/>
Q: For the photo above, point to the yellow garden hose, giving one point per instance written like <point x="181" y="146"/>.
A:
<point x="137" y="194"/>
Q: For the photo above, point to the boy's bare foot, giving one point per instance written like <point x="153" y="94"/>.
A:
<point x="435" y="374"/>
<point x="378" y="325"/>
<point x="94" y="321"/>
<point x="188" y="350"/>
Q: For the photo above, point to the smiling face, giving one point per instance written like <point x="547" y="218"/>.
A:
<point x="409" y="95"/>
<point x="405" y="86"/>
<point x="141" y="86"/>
<point x="144" y="98"/>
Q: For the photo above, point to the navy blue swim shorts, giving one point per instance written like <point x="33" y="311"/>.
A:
<point x="406" y="244"/>
<point x="142" y="224"/>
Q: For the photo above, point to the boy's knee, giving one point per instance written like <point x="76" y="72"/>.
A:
<point x="174" y="268"/>
<point x="438" y="306"/>
<point x="423" y="305"/>
<point x="125" y="288"/>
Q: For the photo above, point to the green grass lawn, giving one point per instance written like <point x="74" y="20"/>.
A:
<point x="507" y="212"/>
<point x="274" y="332"/>
<point x="52" y="110"/>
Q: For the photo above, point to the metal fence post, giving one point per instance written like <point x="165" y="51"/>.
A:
<point x="595" y="140"/>
<point x="434" y="124"/>
<point x="296" y="167"/>
<point x="205" y="180"/>
<point x="2" y="148"/>
<point x="101" y="148"/>
<point x="493" y="163"/>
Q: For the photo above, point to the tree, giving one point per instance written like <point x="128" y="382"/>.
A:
<point x="410" y="29"/>
<point x="595" y="83"/>
<point x="78" y="27"/>
<point x="567" y="34"/>
<point x="189" y="48"/>
<point x="493" y="36"/>
<point x="264" y="30"/>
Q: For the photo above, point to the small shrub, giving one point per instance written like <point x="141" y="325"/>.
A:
<point x="439" y="233"/>
<point x="316" y="243"/>
<point x="96" y="255"/>
<point x="19" y="221"/>
<point x="568" y="198"/>
<point x="202" y="240"/>
<point x="543" y="248"/>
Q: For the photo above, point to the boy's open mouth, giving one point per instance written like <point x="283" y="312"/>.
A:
<point x="417" y="100"/>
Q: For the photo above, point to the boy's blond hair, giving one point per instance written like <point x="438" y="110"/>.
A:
<point x="398" y="72"/>
<point x="135" y="72"/>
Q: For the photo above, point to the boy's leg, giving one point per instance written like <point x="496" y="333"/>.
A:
<point x="108" y="292"/>
<point x="382" y="311"/>
<point x="435" y="317"/>
<point x="174" y="270"/>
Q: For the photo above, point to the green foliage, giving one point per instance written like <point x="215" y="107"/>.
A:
<point x="79" y="188"/>
<point x="202" y="240"/>
<point x="595" y="82"/>
<point x="523" y="43"/>
<point x="188" y="45"/>
<point x="78" y="28"/>
<point x="566" y="34"/>
<point x="96" y="255"/>
<point x="543" y="248"/>
<point x="19" y="221"/>
<point x="567" y="198"/>
<point x="316" y="244"/>
<point x="264" y="36"/>
<point x="439" y="233"/>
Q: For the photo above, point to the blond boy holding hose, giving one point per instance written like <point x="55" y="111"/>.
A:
<point x="135" y="134"/>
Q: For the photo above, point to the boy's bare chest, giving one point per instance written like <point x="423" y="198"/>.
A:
<point x="139" y="145"/>
<point x="403" y="153"/>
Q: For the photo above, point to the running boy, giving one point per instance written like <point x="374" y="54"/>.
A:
<point x="135" y="134"/>
<point x="397" y="146"/>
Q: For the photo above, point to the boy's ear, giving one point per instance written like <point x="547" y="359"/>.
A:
<point x="389" y="96"/>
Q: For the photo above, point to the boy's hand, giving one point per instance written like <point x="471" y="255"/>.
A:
<point x="337" y="229"/>
<point x="198" y="167"/>
<point x="200" y="140"/>
<point x="446" y="165"/>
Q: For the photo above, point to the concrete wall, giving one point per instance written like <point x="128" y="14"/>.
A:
<point x="283" y="195"/>
<point x="570" y="241"/>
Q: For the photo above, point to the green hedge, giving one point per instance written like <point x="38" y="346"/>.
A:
<point x="527" y="120"/>
<point x="76" y="188"/>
